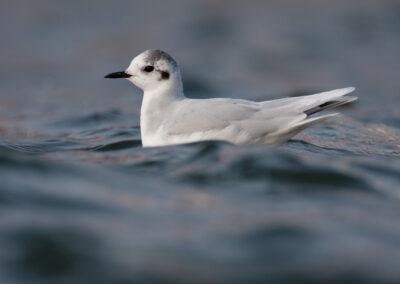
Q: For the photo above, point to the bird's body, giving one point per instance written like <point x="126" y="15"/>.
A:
<point x="167" y="117"/>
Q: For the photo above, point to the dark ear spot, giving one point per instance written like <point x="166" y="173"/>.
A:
<point x="164" y="75"/>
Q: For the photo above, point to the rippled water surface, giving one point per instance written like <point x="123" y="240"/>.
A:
<point x="82" y="202"/>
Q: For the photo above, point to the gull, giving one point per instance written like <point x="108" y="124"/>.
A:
<point x="167" y="117"/>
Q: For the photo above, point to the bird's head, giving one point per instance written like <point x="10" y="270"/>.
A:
<point x="150" y="70"/>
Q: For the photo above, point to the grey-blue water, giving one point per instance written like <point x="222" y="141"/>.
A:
<point x="82" y="202"/>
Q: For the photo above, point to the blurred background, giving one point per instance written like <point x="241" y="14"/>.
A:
<point x="55" y="53"/>
<point x="82" y="201"/>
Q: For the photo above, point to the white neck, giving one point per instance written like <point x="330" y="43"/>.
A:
<point x="163" y="94"/>
<point x="155" y="104"/>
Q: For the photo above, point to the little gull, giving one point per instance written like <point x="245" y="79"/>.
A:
<point x="167" y="117"/>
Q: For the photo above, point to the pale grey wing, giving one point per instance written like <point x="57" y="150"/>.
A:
<point x="295" y="112"/>
<point x="312" y="103"/>
<point x="289" y="115"/>
<point x="277" y="115"/>
<point x="253" y="119"/>
<point x="210" y="114"/>
<point x="247" y="119"/>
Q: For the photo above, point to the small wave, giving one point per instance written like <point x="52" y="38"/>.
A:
<point x="88" y="119"/>
<point x="120" y="145"/>
<point x="44" y="147"/>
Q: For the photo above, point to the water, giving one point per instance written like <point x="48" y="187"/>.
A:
<point x="82" y="202"/>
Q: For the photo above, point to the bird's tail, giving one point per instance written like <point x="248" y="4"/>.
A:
<point x="331" y="104"/>
<point x="309" y="105"/>
<point x="285" y="134"/>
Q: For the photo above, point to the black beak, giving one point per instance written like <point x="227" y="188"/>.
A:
<point x="117" y="75"/>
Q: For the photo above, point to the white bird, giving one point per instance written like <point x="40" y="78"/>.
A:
<point x="167" y="117"/>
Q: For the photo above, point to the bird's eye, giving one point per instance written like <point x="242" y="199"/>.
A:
<point x="148" y="68"/>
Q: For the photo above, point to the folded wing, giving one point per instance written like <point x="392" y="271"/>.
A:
<point x="241" y="121"/>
